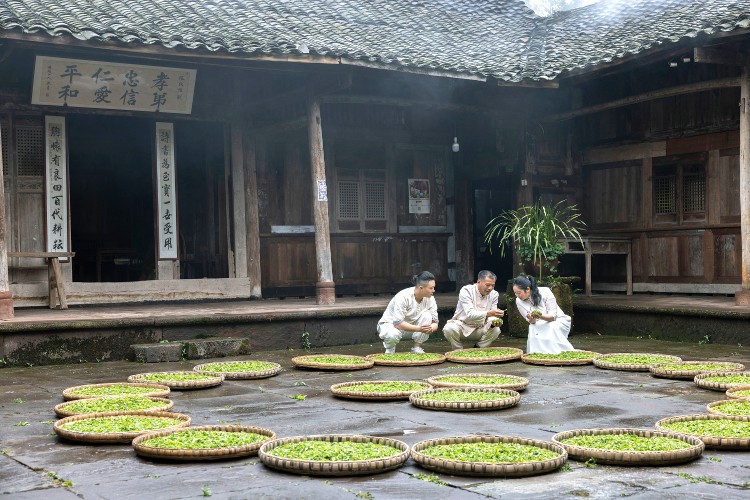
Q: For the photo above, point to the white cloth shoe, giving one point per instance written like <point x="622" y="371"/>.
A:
<point x="417" y="350"/>
<point x="390" y="350"/>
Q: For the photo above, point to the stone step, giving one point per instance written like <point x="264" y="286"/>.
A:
<point x="213" y="347"/>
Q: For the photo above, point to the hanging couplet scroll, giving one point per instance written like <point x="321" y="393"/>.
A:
<point x="56" y="184"/>
<point x="166" y="193"/>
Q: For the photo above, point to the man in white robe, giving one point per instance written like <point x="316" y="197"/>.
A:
<point x="475" y="314"/>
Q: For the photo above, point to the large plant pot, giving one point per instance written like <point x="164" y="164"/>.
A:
<point x="517" y="325"/>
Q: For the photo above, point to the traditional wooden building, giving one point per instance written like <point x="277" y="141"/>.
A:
<point x="178" y="150"/>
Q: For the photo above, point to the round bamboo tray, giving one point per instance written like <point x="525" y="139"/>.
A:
<point x="601" y="361"/>
<point x="159" y="390"/>
<point x="624" y="457"/>
<point x="489" y="469"/>
<point x="700" y="381"/>
<point x="686" y="373"/>
<point x="181" y="385"/>
<point x="417" y="400"/>
<point x="427" y="358"/>
<point x="335" y="468"/>
<point x="529" y="359"/>
<point x="722" y="442"/>
<point x="456" y="356"/>
<point x="206" y="368"/>
<point x="738" y="393"/>
<point x="518" y="384"/>
<point x="112" y="437"/>
<point x="308" y="362"/>
<point x="348" y="390"/>
<point x="62" y="410"/>
<point x="713" y="410"/>
<point x="140" y="444"/>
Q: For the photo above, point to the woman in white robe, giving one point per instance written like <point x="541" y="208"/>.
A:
<point x="549" y="326"/>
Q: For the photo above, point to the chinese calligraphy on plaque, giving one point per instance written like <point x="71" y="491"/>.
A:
<point x="56" y="183"/>
<point x="166" y="195"/>
<point x="419" y="196"/>
<point x="105" y="85"/>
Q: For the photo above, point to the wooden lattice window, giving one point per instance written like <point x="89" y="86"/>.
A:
<point x="361" y="200"/>
<point x="6" y="156"/>
<point x="664" y="194"/>
<point x="30" y="151"/>
<point x="348" y="202"/>
<point x="693" y="190"/>
<point x="679" y="192"/>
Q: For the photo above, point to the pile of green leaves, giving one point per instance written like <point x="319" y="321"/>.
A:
<point x="488" y="379"/>
<point x="457" y="395"/>
<point x="203" y="440"/>
<point x="335" y="360"/>
<point x="562" y="355"/>
<point x="739" y="407"/>
<point x="490" y="452"/>
<point x="238" y="367"/>
<point x="120" y="423"/>
<point x="389" y="386"/>
<point x="714" y="427"/>
<point x="627" y="442"/>
<point x="730" y="379"/>
<point x="706" y="367"/>
<point x="326" y="451"/>
<point x="638" y="359"/>
<point x="113" y="390"/>
<point x="743" y="393"/>
<point x="483" y="353"/>
<point x="407" y="356"/>
<point x="115" y="403"/>
<point x="174" y="377"/>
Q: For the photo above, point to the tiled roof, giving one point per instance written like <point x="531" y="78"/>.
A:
<point x="498" y="38"/>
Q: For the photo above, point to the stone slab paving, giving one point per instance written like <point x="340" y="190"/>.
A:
<point x="35" y="463"/>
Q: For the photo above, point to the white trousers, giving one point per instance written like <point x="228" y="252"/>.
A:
<point x="455" y="331"/>
<point x="390" y="335"/>
<point x="550" y="337"/>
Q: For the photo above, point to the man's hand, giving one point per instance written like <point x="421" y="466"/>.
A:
<point x="499" y="313"/>
<point x="428" y="329"/>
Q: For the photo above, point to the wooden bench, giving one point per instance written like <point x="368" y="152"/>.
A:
<point x="54" y="275"/>
<point x="603" y="245"/>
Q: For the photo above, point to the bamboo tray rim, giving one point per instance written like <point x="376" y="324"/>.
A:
<point x="711" y="441"/>
<point x="658" y="370"/>
<point x="497" y="404"/>
<point x="489" y="469"/>
<point x="711" y="407"/>
<point x="196" y="454"/>
<point x="160" y="390"/>
<point x="433" y="359"/>
<point x="521" y="384"/>
<point x="303" y="362"/>
<point x="335" y="468"/>
<point x="628" y="457"/>
<point x="113" y="437"/>
<point x="601" y="361"/>
<point x="341" y="391"/>
<point x="732" y="393"/>
<point x="721" y="386"/>
<point x="526" y="358"/>
<point x="213" y="381"/>
<point x="62" y="411"/>
<point x="516" y="353"/>
<point x="246" y="375"/>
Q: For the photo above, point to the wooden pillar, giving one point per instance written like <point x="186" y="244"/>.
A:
<point x="252" y="218"/>
<point x="464" y="215"/>
<point x="325" y="288"/>
<point x="6" y="297"/>
<point x="742" y="297"/>
<point x="238" y="201"/>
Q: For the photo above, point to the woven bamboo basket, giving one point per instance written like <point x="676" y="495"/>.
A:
<point x="601" y="361"/>
<point x="159" y="390"/>
<point x="206" y="368"/>
<point x="112" y="437"/>
<point x="457" y="357"/>
<point x="686" y="373"/>
<point x="714" y="410"/>
<point x="700" y="381"/>
<point x="142" y="448"/>
<point x="529" y="359"/>
<point x="308" y="362"/>
<point x="181" y="385"/>
<point x="417" y="400"/>
<point x="518" y="384"/>
<point x="738" y="393"/>
<point x="348" y="390"/>
<point x="63" y="409"/>
<point x="489" y="469"/>
<point x="623" y="457"/>
<point x="427" y="358"/>
<point x="335" y="468"/>
<point x="722" y="442"/>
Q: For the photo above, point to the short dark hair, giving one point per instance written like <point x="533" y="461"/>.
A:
<point x="422" y="278"/>
<point x="485" y="274"/>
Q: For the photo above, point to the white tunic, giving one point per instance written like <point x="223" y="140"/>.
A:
<point x="548" y="337"/>
<point x="404" y="307"/>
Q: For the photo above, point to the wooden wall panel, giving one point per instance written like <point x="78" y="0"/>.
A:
<point x="614" y="195"/>
<point x="727" y="258"/>
<point x="663" y="257"/>
<point x="288" y="261"/>
<point x="428" y="163"/>
<point x="729" y="186"/>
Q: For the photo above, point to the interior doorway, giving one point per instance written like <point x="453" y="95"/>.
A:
<point x="111" y="198"/>
<point x="491" y="196"/>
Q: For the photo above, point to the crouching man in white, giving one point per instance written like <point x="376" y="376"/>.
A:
<point x="475" y="313"/>
<point x="413" y="311"/>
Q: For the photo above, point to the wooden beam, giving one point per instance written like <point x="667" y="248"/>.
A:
<point x="726" y="57"/>
<point x="411" y="103"/>
<point x="688" y="88"/>
<point x="745" y="181"/>
<point x="6" y="297"/>
<point x="252" y="230"/>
